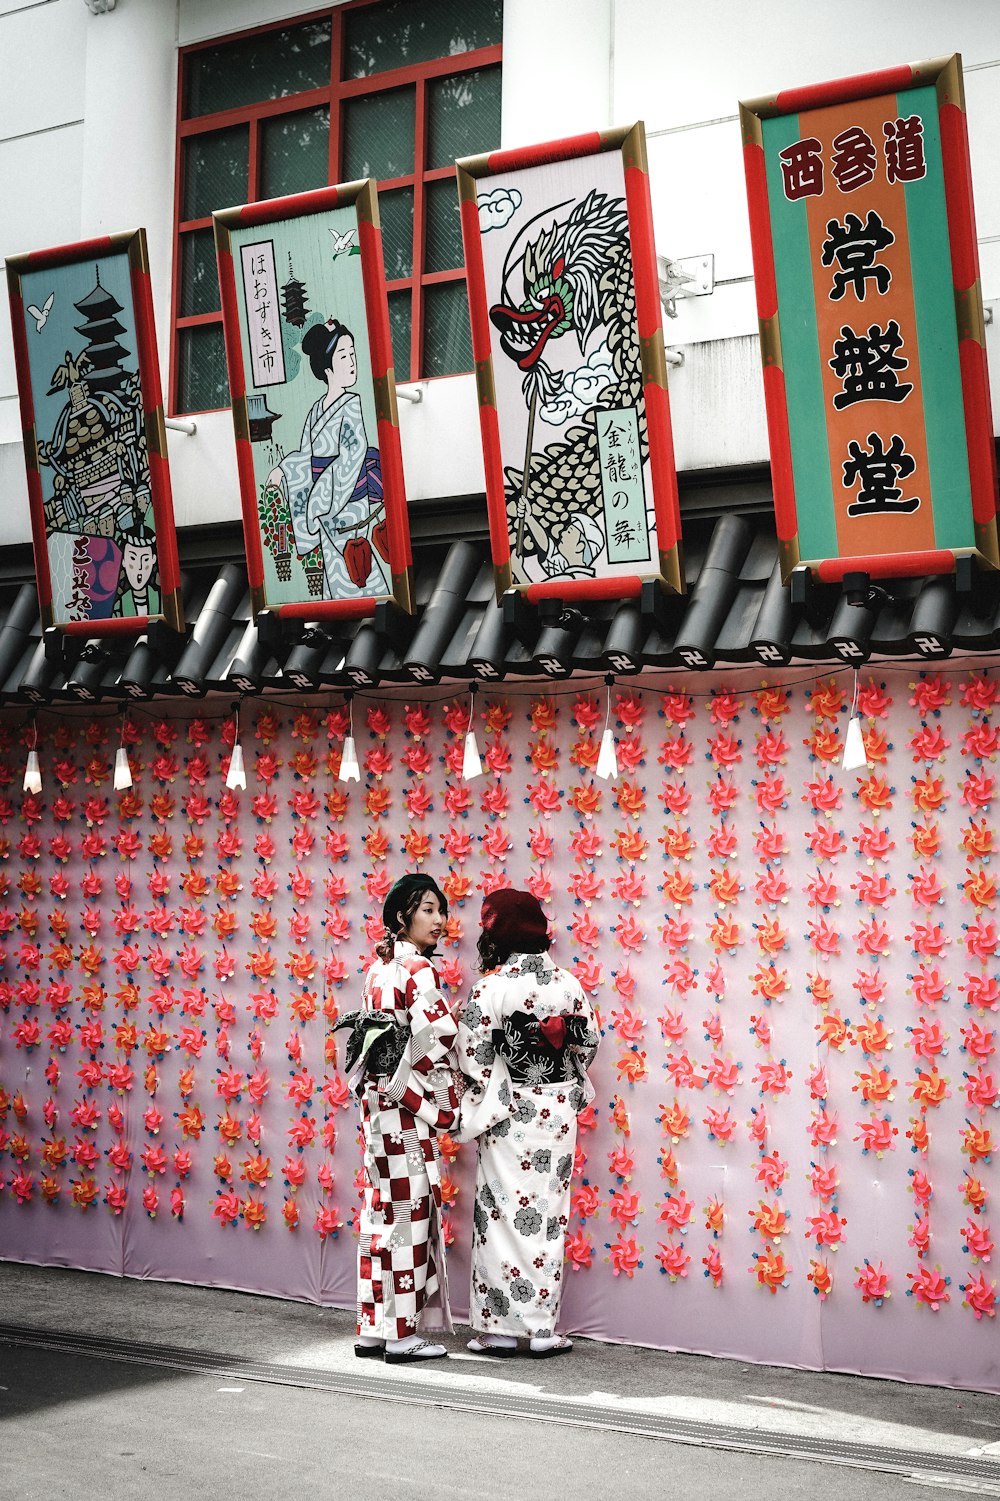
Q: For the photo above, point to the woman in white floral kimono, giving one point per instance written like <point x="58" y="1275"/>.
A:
<point x="333" y="480"/>
<point x="400" y="1056"/>
<point x="526" y="1039"/>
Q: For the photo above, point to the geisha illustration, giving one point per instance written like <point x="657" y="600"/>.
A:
<point x="333" y="483"/>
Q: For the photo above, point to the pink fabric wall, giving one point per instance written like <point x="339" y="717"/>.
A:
<point x="749" y="919"/>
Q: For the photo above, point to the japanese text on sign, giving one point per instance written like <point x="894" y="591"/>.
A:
<point x="866" y="362"/>
<point x="854" y="159"/>
<point x="621" y="485"/>
<point x="260" y="291"/>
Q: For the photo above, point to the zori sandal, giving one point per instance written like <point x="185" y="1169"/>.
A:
<point x="422" y="1351"/>
<point x="486" y="1346"/>
<point x="548" y="1352"/>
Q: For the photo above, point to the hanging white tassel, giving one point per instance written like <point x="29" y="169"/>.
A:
<point x="32" y="773"/>
<point x="472" y="766"/>
<point x="855" y="757"/>
<point x="123" y="771"/>
<point x="236" y="776"/>
<point x="607" y="760"/>
<point x="349" y="771"/>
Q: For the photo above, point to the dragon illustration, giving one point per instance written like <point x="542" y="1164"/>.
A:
<point x="577" y="277"/>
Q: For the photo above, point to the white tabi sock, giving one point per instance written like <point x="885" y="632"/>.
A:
<point x="401" y="1346"/>
<point x="541" y="1342"/>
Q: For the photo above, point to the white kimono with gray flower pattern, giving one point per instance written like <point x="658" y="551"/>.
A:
<point x="526" y="1129"/>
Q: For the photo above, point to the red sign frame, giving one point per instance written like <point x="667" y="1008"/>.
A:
<point x="131" y="243"/>
<point x="630" y="142"/>
<point x="958" y="519"/>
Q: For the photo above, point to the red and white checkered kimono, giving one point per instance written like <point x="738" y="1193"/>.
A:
<point x="401" y="1269"/>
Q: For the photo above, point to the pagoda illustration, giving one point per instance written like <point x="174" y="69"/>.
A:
<point x="101" y="329"/>
<point x="293" y="298"/>
<point x="98" y="446"/>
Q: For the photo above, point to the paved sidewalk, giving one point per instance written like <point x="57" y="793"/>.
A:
<point x="691" y="1399"/>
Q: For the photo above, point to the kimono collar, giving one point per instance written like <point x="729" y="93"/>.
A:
<point x="403" y="949"/>
<point x="536" y="963"/>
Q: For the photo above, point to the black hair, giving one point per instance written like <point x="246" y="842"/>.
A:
<point x="405" y="913"/>
<point x="137" y="535"/>
<point x="319" y="343"/>
<point x="492" y="954"/>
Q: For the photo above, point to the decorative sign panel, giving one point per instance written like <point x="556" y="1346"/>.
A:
<point x="94" y="444"/>
<point x="872" y="335"/>
<point x="314" y="403"/>
<point x="568" y="343"/>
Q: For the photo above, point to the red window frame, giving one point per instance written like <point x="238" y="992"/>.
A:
<point x="334" y="95"/>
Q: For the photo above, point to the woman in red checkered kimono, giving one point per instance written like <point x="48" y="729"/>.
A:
<point x="400" y="1052"/>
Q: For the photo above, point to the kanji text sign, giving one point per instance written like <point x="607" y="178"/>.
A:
<point x="873" y="352"/>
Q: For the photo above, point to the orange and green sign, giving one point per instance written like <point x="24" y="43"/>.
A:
<point x="872" y="335"/>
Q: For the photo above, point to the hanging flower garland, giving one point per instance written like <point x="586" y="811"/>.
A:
<point x="981" y="987"/>
<point x="457" y="842"/>
<point x="586" y="887"/>
<point x="26" y="991"/>
<point x="495" y="842"/>
<point x="631" y="1067"/>
<point x="87" y="1112"/>
<point x="824" y="793"/>
<point x="59" y="993"/>
<point x="229" y="1207"/>
<point x="769" y="1219"/>
<point x="336" y="930"/>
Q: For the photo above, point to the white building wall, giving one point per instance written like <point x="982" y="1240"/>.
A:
<point x="87" y="122"/>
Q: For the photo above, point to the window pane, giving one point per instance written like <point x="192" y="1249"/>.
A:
<point x="463" y="116"/>
<point x="294" y="152"/>
<point x="447" y="336"/>
<point x="378" y="135"/>
<point x="395" y="211"/>
<point x="443" y="236"/>
<point x="199" y="274"/>
<point x="399" y="33"/>
<point x="399" y="324"/>
<point x="204" y="384"/>
<point x="254" y="68"/>
<point x="215" y="171"/>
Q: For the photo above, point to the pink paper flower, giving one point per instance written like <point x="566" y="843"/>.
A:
<point x="624" y="1257"/>
<point x="980" y="1296"/>
<point x="930" y="1287"/>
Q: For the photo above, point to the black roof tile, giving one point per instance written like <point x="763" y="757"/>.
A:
<point x="737" y="610"/>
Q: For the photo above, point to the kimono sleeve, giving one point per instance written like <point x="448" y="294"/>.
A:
<point x="424" y="1083"/>
<point x="487" y="1098"/>
<point x="432" y="1026"/>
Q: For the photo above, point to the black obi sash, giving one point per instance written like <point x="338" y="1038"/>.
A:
<point x="538" y="1050"/>
<point x="376" y="1038"/>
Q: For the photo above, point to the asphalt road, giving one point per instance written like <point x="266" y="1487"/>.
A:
<point x="80" y="1427"/>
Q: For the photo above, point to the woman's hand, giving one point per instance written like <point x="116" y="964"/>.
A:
<point x="275" y="479"/>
